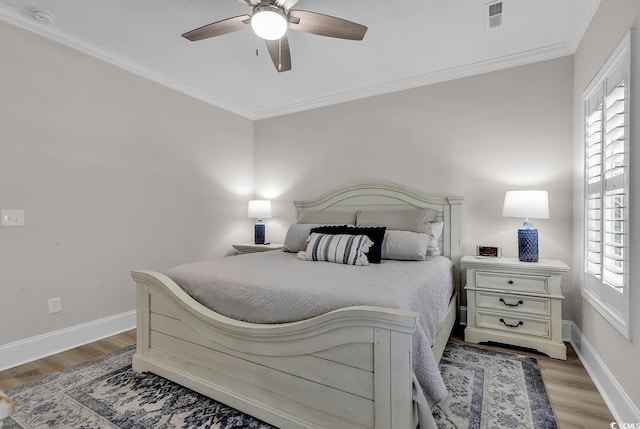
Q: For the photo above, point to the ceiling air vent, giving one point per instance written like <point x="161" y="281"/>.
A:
<point x="493" y="14"/>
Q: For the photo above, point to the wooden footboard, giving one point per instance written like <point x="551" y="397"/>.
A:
<point x="347" y="369"/>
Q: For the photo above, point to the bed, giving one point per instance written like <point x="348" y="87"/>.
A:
<point x="348" y="368"/>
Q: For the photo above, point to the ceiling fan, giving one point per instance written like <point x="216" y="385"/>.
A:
<point x="270" y="20"/>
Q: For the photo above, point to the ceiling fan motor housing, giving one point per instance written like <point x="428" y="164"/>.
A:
<point x="269" y="21"/>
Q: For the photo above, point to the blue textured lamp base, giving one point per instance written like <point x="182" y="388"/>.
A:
<point x="528" y="245"/>
<point x="259" y="233"/>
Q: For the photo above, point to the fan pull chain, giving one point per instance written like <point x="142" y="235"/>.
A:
<point x="257" y="45"/>
<point x="279" y="54"/>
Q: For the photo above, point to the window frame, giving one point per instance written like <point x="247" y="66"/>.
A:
<point x="614" y="303"/>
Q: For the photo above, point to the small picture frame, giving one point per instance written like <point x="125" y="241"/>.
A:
<point x="489" y="251"/>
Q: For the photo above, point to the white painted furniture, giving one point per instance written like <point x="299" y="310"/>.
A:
<point x="254" y="248"/>
<point x="513" y="302"/>
<point x="346" y="369"/>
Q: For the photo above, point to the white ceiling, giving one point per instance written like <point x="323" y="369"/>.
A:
<point x="409" y="43"/>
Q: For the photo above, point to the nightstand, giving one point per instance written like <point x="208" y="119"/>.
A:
<point x="517" y="303"/>
<point x="254" y="248"/>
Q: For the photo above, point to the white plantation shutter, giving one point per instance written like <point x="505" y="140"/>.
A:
<point x="593" y="176"/>
<point x="606" y="175"/>
<point x="616" y="184"/>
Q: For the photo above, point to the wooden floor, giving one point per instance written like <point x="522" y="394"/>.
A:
<point x="575" y="399"/>
<point x="37" y="369"/>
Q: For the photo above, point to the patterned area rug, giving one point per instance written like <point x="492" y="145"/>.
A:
<point x="490" y="389"/>
<point x="487" y="390"/>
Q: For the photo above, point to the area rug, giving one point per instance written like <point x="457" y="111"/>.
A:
<point x="486" y="390"/>
<point x="489" y="389"/>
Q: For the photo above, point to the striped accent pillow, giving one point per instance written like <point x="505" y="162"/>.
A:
<point x="340" y="248"/>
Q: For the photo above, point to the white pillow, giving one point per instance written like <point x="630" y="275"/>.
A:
<point x="435" y="231"/>
<point x="340" y="248"/>
<point x="405" y="245"/>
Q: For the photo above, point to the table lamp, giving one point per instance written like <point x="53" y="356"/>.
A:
<point x="259" y="209"/>
<point x="527" y="204"/>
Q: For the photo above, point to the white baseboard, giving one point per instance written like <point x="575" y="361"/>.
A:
<point x="567" y="330"/>
<point x="619" y="403"/>
<point x="30" y="349"/>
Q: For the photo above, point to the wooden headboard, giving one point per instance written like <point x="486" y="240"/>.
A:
<point x="385" y="196"/>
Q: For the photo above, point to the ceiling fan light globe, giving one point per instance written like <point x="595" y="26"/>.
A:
<point x="269" y="22"/>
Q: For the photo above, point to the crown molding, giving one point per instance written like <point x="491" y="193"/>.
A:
<point x="500" y="63"/>
<point x="579" y="28"/>
<point x="577" y="31"/>
<point x="23" y="21"/>
<point x="580" y="25"/>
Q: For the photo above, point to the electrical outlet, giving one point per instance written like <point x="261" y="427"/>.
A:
<point x="12" y="218"/>
<point x="55" y="305"/>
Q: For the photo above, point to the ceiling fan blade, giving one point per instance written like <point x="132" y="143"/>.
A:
<point x="279" y="52"/>
<point x="326" y="25"/>
<point x="250" y="2"/>
<point x="286" y="4"/>
<point x="218" y="28"/>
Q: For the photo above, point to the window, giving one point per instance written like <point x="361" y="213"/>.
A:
<point x="606" y="184"/>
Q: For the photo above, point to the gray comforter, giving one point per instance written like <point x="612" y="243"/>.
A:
<point x="275" y="287"/>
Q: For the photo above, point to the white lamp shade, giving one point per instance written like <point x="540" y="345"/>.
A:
<point x="526" y="204"/>
<point x="259" y="209"/>
<point x="268" y="22"/>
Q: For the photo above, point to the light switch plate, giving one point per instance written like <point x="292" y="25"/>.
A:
<point x="11" y="217"/>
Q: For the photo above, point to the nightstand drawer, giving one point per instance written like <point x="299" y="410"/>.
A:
<point x="514" y="323"/>
<point x="515" y="282"/>
<point x="514" y="303"/>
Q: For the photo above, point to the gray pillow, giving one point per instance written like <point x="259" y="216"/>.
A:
<point x="416" y="220"/>
<point x="405" y="245"/>
<point x="412" y="246"/>
<point x="328" y="217"/>
<point x="297" y="234"/>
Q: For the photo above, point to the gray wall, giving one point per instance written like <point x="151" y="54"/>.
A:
<point x="114" y="172"/>
<point x="476" y="137"/>
<point x="612" y="20"/>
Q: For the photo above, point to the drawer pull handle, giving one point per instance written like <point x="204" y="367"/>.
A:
<point x="520" y="323"/>
<point x="510" y="282"/>
<point x="520" y="302"/>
